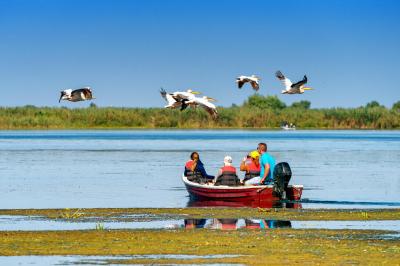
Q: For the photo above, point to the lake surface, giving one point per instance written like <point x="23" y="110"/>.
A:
<point x="60" y="169"/>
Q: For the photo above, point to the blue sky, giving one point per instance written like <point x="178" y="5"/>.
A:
<point x="127" y="50"/>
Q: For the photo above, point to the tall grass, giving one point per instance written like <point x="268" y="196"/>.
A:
<point x="246" y="116"/>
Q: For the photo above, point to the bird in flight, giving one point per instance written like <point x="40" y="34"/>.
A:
<point x="253" y="79"/>
<point x="292" y="88"/>
<point x="82" y="94"/>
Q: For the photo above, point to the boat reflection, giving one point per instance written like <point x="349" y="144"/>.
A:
<point x="234" y="224"/>
<point x="251" y="204"/>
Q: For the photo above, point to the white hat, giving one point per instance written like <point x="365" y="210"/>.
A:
<point x="228" y="160"/>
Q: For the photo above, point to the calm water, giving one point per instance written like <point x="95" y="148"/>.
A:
<point x="59" y="169"/>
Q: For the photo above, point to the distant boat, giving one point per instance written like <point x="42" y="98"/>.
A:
<point x="287" y="126"/>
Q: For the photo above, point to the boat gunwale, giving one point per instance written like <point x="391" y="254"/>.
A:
<point x="193" y="184"/>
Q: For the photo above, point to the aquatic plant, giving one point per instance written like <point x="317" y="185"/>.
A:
<point x="100" y="226"/>
<point x="70" y="214"/>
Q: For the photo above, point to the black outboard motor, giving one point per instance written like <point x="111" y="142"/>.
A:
<point x="282" y="175"/>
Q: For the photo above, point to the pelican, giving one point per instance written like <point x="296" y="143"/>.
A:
<point x="188" y="94"/>
<point x="290" y="88"/>
<point x="185" y="97"/>
<point x="253" y="79"/>
<point x="205" y="102"/>
<point x="82" y="94"/>
<point x="173" y="102"/>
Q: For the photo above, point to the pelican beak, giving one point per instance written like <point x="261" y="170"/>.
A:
<point x="307" y="89"/>
<point x="196" y="92"/>
<point x="211" y="99"/>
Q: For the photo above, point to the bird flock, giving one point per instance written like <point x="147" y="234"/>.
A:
<point x="188" y="98"/>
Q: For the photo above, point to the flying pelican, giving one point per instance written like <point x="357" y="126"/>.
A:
<point x="185" y="97"/>
<point x="290" y="88"/>
<point x="253" y="79"/>
<point x="173" y="102"/>
<point x="205" y="102"/>
<point x="82" y="94"/>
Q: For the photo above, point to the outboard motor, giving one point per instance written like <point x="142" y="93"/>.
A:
<point x="282" y="174"/>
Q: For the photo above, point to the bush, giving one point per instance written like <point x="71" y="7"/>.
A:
<point x="265" y="102"/>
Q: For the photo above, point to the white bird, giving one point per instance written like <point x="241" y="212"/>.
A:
<point x="82" y="94"/>
<point x="169" y="97"/>
<point x="188" y="94"/>
<point x="205" y="102"/>
<point x="253" y="79"/>
<point x="292" y="88"/>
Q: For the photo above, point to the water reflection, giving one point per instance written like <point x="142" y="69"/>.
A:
<point x="252" y="204"/>
<point x="234" y="224"/>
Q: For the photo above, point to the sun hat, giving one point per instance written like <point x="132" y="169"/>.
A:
<point x="254" y="154"/>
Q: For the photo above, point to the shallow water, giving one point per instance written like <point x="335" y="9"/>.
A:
<point x="37" y="223"/>
<point x="100" y="260"/>
<point x="59" y="169"/>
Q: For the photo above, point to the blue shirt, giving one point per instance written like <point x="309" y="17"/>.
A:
<point x="267" y="159"/>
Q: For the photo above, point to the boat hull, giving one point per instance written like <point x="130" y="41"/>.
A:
<point x="243" y="195"/>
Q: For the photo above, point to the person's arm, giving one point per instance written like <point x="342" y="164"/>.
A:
<point x="243" y="166"/>
<point x="194" y="165"/>
<point x="266" y="172"/>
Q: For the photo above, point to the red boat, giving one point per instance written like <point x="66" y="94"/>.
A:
<point x="251" y="196"/>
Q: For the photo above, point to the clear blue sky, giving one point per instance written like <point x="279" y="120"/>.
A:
<point x="127" y="50"/>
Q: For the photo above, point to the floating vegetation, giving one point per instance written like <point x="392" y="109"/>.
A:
<point x="148" y="214"/>
<point x="67" y="214"/>
<point x="254" y="247"/>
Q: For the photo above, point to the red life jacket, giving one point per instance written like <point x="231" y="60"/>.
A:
<point x="189" y="165"/>
<point x="227" y="177"/>
<point x="194" y="176"/>
<point x="228" y="168"/>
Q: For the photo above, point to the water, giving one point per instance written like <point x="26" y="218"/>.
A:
<point x="36" y="223"/>
<point x="59" y="169"/>
<point x="104" y="260"/>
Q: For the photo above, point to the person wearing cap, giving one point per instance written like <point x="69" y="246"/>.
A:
<point x="267" y="165"/>
<point x="227" y="174"/>
<point x="251" y="166"/>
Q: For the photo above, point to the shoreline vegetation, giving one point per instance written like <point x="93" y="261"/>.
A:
<point x="257" y="112"/>
<point x="182" y="213"/>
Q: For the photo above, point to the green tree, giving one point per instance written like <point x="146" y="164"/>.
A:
<point x="265" y="102"/>
<point x="373" y="104"/>
<point x="396" y="106"/>
<point x="301" y="104"/>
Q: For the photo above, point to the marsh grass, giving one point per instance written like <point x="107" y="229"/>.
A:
<point x="69" y="214"/>
<point x="252" y="114"/>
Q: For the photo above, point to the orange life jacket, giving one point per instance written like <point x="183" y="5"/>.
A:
<point x="254" y="171"/>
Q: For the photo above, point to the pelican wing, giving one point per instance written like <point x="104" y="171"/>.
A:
<point x="255" y="85"/>
<point x="209" y="107"/>
<point x="300" y="83"/>
<point x="240" y="83"/>
<point x="284" y="79"/>
<point x="168" y="97"/>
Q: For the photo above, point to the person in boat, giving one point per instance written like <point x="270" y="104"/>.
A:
<point x="227" y="174"/>
<point x="195" y="171"/>
<point x="267" y="165"/>
<point x="251" y="166"/>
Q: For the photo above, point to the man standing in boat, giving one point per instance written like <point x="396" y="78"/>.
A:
<point x="267" y="163"/>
